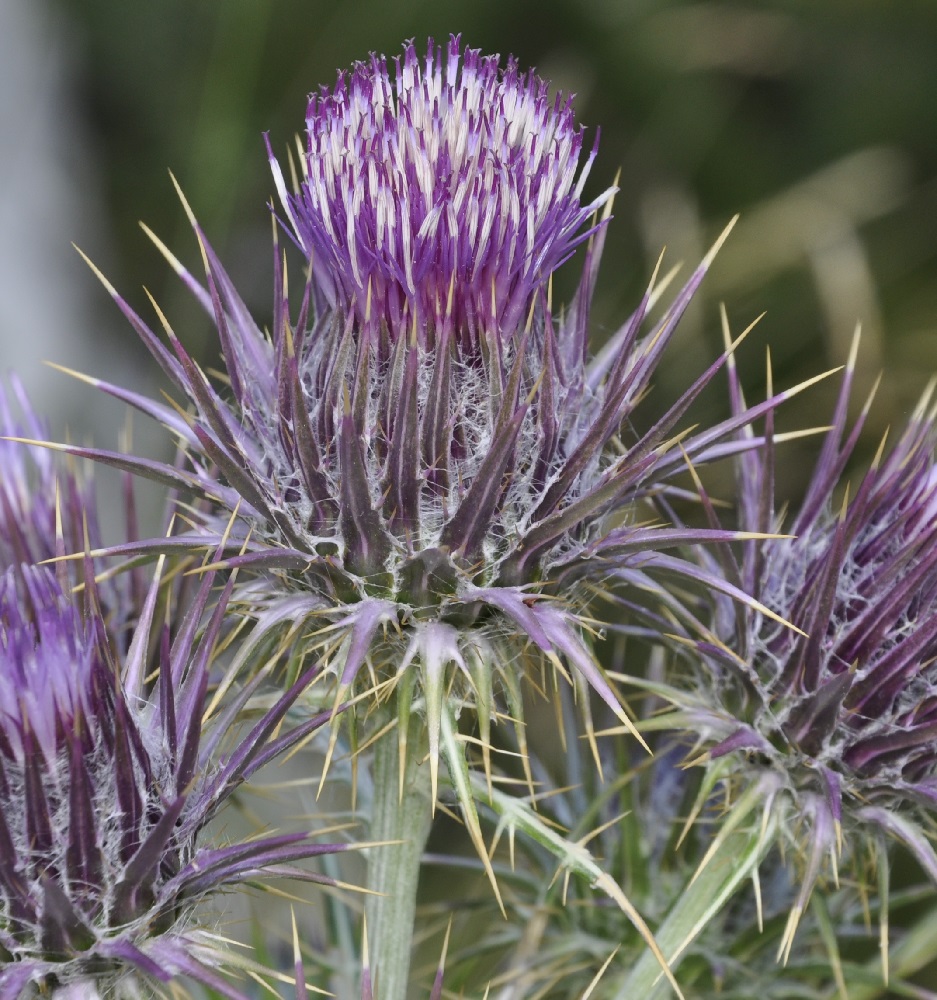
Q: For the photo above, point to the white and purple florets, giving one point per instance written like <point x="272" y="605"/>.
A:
<point x="445" y="194"/>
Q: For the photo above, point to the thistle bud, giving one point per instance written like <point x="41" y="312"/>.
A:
<point x="832" y="690"/>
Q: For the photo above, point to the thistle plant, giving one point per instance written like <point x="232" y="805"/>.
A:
<point x="409" y="502"/>
<point x="423" y="473"/>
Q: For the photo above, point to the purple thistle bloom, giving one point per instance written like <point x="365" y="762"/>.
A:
<point x="842" y="711"/>
<point x="442" y="199"/>
<point x="28" y="490"/>
<point x="424" y="470"/>
<point x="105" y="790"/>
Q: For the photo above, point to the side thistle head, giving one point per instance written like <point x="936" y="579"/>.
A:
<point x="830" y="703"/>
<point x="105" y="790"/>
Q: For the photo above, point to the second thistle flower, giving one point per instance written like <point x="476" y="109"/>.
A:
<point x="829" y="722"/>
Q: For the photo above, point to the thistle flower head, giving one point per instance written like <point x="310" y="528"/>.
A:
<point x="839" y="708"/>
<point x="104" y="793"/>
<point x="429" y="488"/>
<point x="441" y="199"/>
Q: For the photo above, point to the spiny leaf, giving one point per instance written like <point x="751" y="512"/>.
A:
<point x="515" y="814"/>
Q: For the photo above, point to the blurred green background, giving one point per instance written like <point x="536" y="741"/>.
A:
<point x="814" y="120"/>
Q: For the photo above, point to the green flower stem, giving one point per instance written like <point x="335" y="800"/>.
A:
<point x="394" y="870"/>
